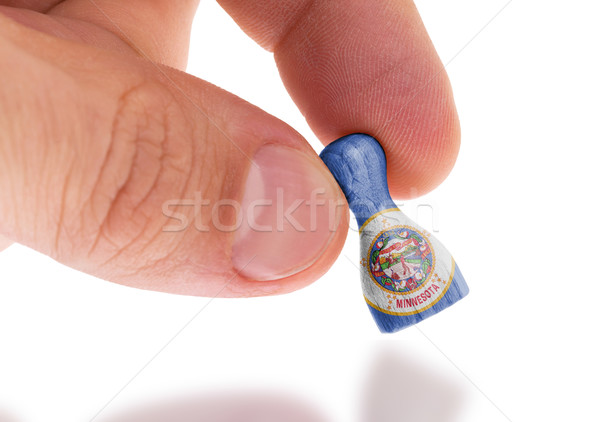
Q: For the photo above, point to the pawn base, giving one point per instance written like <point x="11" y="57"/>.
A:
<point x="388" y="323"/>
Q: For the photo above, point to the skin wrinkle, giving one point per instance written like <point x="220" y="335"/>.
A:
<point x="163" y="157"/>
<point x="166" y="167"/>
<point x="94" y="191"/>
<point x="164" y="164"/>
<point x="139" y="142"/>
<point x="291" y="27"/>
<point x="124" y="249"/>
<point x="171" y="253"/>
<point x="63" y="206"/>
<point x="43" y="6"/>
<point x="161" y="162"/>
<point x="110" y="154"/>
<point x="89" y="202"/>
<point x="206" y="184"/>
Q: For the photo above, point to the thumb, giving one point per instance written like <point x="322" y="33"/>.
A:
<point x="148" y="177"/>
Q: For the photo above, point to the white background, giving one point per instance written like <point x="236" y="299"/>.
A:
<point x="519" y="213"/>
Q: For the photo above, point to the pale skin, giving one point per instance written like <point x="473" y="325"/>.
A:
<point x="99" y="126"/>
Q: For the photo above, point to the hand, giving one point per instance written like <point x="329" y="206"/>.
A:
<point x="104" y="142"/>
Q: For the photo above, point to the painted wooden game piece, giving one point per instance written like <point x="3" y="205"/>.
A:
<point x="407" y="274"/>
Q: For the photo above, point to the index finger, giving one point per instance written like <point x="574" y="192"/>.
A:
<point x="356" y="66"/>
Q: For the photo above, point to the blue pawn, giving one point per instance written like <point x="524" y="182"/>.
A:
<point x="407" y="275"/>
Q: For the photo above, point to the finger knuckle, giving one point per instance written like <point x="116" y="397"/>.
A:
<point x="148" y="161"/>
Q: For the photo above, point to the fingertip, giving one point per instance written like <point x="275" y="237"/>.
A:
<point x="374" y="70"/>
<point x="354" y="66"/>
<point x="422" y="152"/>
